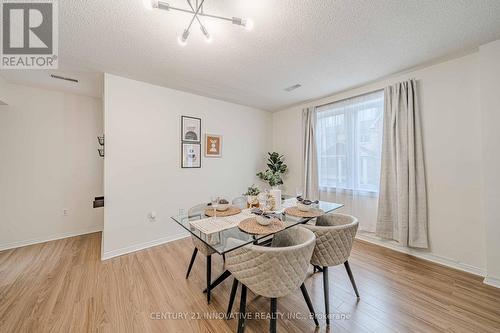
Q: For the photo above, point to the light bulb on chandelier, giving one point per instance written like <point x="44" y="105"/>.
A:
<point x="150" y="4"/>
<point x="208" y="37"/>
<point x="182" y="39"/>
<point x="248" y="24"/>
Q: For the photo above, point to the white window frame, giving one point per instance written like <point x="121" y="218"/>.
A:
<point x="350" y="112"/>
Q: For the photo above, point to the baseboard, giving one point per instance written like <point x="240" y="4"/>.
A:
<point x="142" y="246"/>
<point x="491" y="281"/>
<point x="13" y="245"/>
<point x="423" y="255"/>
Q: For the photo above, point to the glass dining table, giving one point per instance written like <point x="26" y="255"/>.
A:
<point x="218" y="241"/>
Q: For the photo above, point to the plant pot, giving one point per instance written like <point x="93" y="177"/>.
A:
<point x="252" y="199"/>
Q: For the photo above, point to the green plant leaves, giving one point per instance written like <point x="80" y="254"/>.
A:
<point x="276" y="169"/>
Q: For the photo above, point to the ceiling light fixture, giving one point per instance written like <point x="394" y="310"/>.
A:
<point x="196" y="11"/>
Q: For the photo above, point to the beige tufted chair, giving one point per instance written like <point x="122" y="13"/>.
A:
<point x="199" y="210"/>
<point x="272" y="272"/>
<point x="334" y="237"/>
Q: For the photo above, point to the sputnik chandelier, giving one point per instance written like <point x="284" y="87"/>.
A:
<point x="196" y="10"/>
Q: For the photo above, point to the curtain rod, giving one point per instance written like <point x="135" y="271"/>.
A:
<point x="345" y="99"/>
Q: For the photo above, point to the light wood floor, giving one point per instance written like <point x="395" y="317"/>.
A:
<point x="62" y="286"/>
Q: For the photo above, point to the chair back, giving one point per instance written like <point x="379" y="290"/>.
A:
<point x="334" y="237"/>
<point x="240" y="202"/>
<point x="198" y="211"/>
<point x="274" y="271"/>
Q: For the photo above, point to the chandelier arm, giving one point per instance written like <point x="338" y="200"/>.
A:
<point x="167" y="6"/>
<point x="197" y="18"/>
<point x="195" y="14"/>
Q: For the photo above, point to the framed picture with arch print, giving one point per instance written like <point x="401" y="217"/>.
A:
<point x="190" y="129"/>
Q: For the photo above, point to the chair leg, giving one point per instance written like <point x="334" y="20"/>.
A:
<point x="274" y="315"/>
<point x="309" y="303"/>
<point x="242" y="314"/>
<point x="231" y="298"/>
<point x="351" y="277"/>
<point x="193" y="257"/>
<point x="317" y="269"/>
<point x="209" y="276"/>
<point x="327" y="295"/>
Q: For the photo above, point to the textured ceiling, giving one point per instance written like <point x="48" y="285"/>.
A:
<point x="326" y="46"/>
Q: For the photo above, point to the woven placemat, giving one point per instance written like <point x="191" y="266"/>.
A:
<point x="231" y="210"/>
<point x="251" y="226"/>
<point x="295" y="211"/>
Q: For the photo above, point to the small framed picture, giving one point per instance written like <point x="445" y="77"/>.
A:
<point x="213" y="145"/>
<point x="191" y="155"/>
<point x="190" y="129"/>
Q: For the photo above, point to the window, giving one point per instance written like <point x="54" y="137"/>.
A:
<point x="349" y="142"/>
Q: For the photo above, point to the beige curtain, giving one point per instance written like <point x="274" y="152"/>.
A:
<point x="310" y="176"/>
<point x="402" y="207"/>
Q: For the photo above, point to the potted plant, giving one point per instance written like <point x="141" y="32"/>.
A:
<point x="276" y="169"/>
<point x="251" y="194"/>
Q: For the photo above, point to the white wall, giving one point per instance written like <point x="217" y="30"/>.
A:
<point x="490" y="109"/>
<point x="452" y="143"/>
<point x="3" y="92"/>
<point x="142" y="164"/>
<point x="48" y="162"/>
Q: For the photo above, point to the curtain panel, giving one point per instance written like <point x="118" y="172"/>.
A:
<point x="402" y="207"/>
<point x="309" y="152"/>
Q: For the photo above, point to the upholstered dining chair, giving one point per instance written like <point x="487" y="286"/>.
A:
<point x="200" y="246"/>
<point x="334" y="237"/>
<point x="240" y="202"/>
<point x="272" y="272"/>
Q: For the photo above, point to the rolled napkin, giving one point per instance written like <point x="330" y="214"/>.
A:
<point x="307" y="201"/>
<point x="268" y="215"/>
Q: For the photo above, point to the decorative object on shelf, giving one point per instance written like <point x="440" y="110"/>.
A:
<point x="191" y="155"/>
<point x="190" y="129"/>
<point x="196" y="12"/>
<point x="276" y="169"/>
<point x="213" y="145"/>
<point x="251" y="194"/>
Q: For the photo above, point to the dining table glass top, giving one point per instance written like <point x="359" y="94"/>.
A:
<point x="218" y="240"/>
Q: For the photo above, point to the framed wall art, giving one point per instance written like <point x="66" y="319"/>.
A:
<point x="213" y="145"/>
<point x="190" y="129"/>
<point x="191" y="155"/>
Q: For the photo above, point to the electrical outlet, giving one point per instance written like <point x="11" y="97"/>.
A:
<point x="65" y="212"/>
<point x="152" y="216"/>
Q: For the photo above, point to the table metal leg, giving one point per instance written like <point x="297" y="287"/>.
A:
<point x="219" y="280"/>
